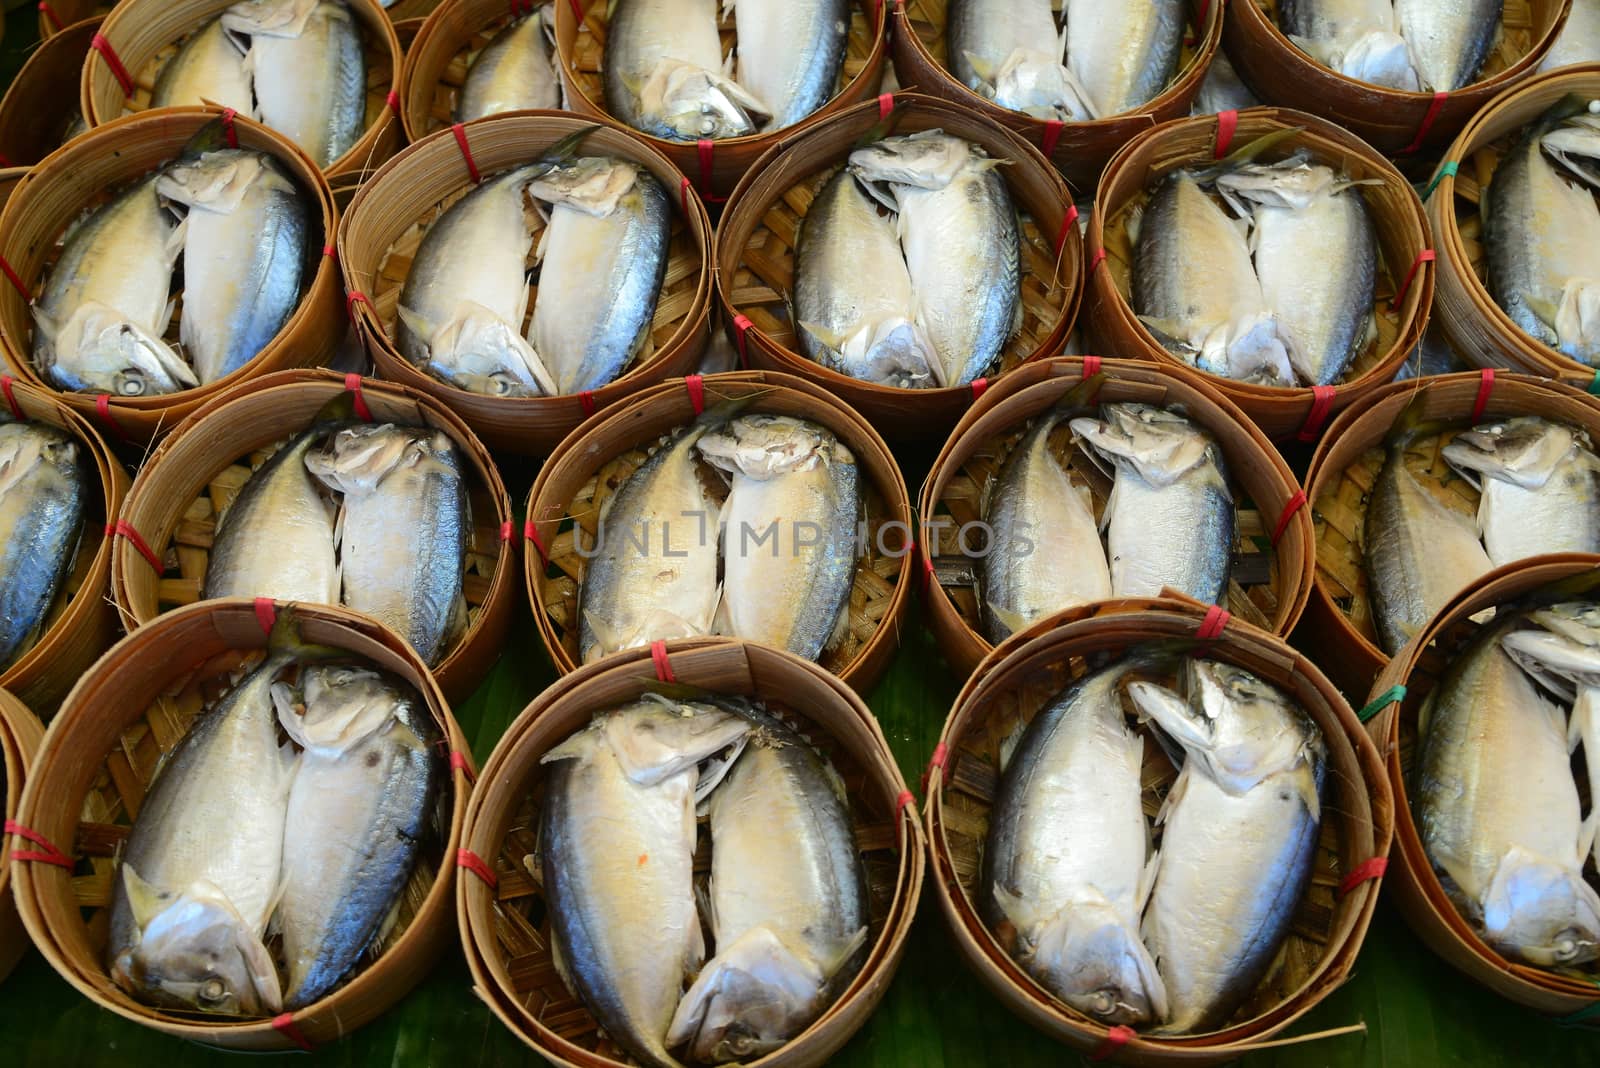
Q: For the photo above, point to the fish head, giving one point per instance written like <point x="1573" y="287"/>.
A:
<point x="337" y="707"/>
<point x="656" y="737"/>
<point x="593" y="185"/>
<point x="766" y="446"/>
<point x="1257" y="730"/>
<point x="1161" y="446"/>
<point x="357" y="458"/>
<point x="1094" y="961"/>
<point x="1291" y="183"/>
<point x="1575" y="144"/>
<point x="480" y="352"/>
<point x="269" y="18"/>
<point x="749" y="1000"/>
<point x="216" y="181"/>
<point x="24" y="447"/>
<point x="692" y="103"/>
<point x="194" y="950"/>
<point x="1542" y="911"/>
<point x="1524" y="451"/>
<point x="929" y="159"/>
<point x="100" y="351"/>
<point x="1562" y="650"/>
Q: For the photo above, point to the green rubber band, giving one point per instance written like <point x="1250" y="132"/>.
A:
<point x="1381" y="702"/>
<point x="1450" y="168"/>
<point x="1594" y="384"/>
<point x="1588" y="1012"/>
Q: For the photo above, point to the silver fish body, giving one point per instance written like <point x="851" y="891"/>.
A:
<point x="1223" y="90"/>
<point x="1012" y="53"/>
<point x="663" y="73"/>
<point x="1579" y="41"/>
<point x="356" y="816"/>
<point x="244" y="255"/>
<point x="1066" y="854"/>
<point x="791" y="53"/>
<point x="515" y="71"/>
<point x="1124" y="54"/>
<point x="788" y="901"/>
<point x="1540" y="486"/>
<point x="208" y="69"/>
<point x="43" y="493"/>
<point x="616" y="839"/>
<point x="1170" y="518"/>
<point x="603" y="259"/>
<point x="404" y="531"/>
<point x="1357" y="38"/>
<point x="789" y="533"/>
<point x="98" y="324"/>
<point x="1448" y="39"/>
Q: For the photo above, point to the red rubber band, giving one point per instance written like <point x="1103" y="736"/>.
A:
<point x="329" y="250"/>
<point x="354" y="297"/>
<point x="50" y="13"/>
<point x="352" y="384"/>
<point x="1212" y="625"/>
<point x="227" y="127"/>
<point x="1321" y="405"/>
<point x="586" y="399"/>
<point x="508" y="532"/>
<point x="1066" y="227"/>
<point x="460" y="133"/>
<point x="707" y="151"/>
<point x="905" y="798"/>
<point x="885" y="105"/>
<point x="741" y="325"/>
<point x="978" y="386"/>
<point x="941" y="753"/>
<point x="466" y="858"/>
<point x="1097" y="259"/>
<point x="266" y="614"/>
<point x="284" y="1025"/>
<point x="11" y="398"/>
<point x="1485" y="387"/>
<point x="1091" y="367"/>
<point x="1295" y="503"/>
<point x="102" y="409"/>
<point x="658" y="656"/>
<point x="1427" y="255"/>
<point x="577" y="10"/>
<point x="1227" y="124"/>
<point x="530" y="534"/>
<point x="683" y="195"/>
<point x="15" y="279"/>
<point x="1052" y="136"/>
<point x="1367" y="870"/>
<point x="125" y="530"/>
<point x="927" y="573"/>
<point x="459" y="762"/>
<point x="99" y="43"/>
<point x="1115" y="1039"/>
<point x="696" y="387"/>
<point x="51" y="854"/>
<point x="392" y="101"/>
<point x="1428" y="120"/>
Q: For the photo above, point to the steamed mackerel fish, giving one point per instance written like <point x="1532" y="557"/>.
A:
<point x="43" y="493"/>
<point x="1170" y="517"/>
<point x="1358" y="38"/>
<point x="958" y="230"/>
<point x="790" y="54"/>
<point x="1065" y="861"/>
<point x="1012" y="52"/>
<point x="1240" y="836"/>
<point x="98" y="325"/>
<point x="616" y="844"/>
<point x="1045" y="555"/>
<point x="1497" y="807"/>
<point x="515" y="71"/>
<point x="244" y="254"/>
<point x="208" y="69"/>
<point x="867" y="331"/>
<point x="403" y="531"/>
<point x="357" y="811"/>
<point x="789" y="531"/>
<point x="788" y="902"/>
<point x="1222" y="90"/>
<point x="1124" y="54"/>
<point x="1579" y="41"/>
<point x="664" y="73"/>
<point x="1448" y="39"/>
<point x="1539" y="484"/>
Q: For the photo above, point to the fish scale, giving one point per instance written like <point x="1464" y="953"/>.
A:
<point x="43" y="494"/>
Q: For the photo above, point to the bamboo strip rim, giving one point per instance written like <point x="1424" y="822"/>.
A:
<point x="20" y="736"/>
<point x="58" y="15"/>
<point x="31" y="92"/>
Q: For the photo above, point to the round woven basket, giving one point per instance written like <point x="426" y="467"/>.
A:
<point x="82" y="174"/>
<point x="504" y="926"/>
<point x="1078" y="149"/>
<point x="1392" y="121"/>
<point x="715" y="166"/>
<point x="144" y="34"/>
<point x="1476" y="324"/>
<point x="1416" y="889"/>
<point x="438" y="60"/>
<point x="1272" y="529"/>
<point x="756" y="241"/>
<point x="410" y="10"/>
<point x="41" y="101"/>
<point x="20" y="735"/>
<point x="56" y="15"/>
<point x="391" y="212"/>
<point x="574" y="484"/>
<point x="99" y="759"/>
<point x="1339" y="619"/>
<point x="1018" y="679"/>
<point x="81" y="625"/>
<point x="188" y="481"/>
<point x="1401" y="298"/>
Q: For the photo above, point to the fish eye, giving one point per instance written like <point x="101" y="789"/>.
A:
<point x="212" y="991"/>
<point x="500" y="385"/>
<point x="131" y="383"/>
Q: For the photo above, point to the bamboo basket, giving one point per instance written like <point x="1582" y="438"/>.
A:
<point x="390" y="213"/>
<point x="20" y="735"/>
<point x="1339" y="618"/>
<point x="1416" y="889"/>
<point x="189" y="481"/>
<point x="102" y="753"/>
<point x="81" y="624"/>
<point x="1392" y="121"/>
<point x="593" y="462"/>
<point x="410" y="10"/>
<point x="1016" y="681"/>
<point x="715" y="166"/>
<point x="82" y="174"/>
<point x="1263" y="487"/>
<point x="56" y="15"/>
<point x="145" y="34"/>
<point x="504" y="928"/>
<point x="1476" y="324"/>
<point x="41" y="101"/>
<point x="758" y="233"/>
<point x="437" y="64"/>
<point x="1078" y="149"/>
<point x="1402" y="296"/>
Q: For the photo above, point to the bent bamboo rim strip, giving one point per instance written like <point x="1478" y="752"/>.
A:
<point x="1402" y="296"/>
<point x="175" y="504"/>
<point x="81" y="625"/>
<point x="42" y="98"/>
<point x="586" y="468"/>
<point x="413" y="188"/>
<point x="83" y="173"/>
<point x="758" y="233"/>
<point x="1399" y="694"/>
<point x="103" y="750"/>
<point x="57" y="15"/>
<point x="1472" y="319"/>
<point x="715" y="166"/>
<point x="438" y="60"/>
<point x="1078" y="149"/>
<point x="410" y="10"/>
<point x="144" y="34"/>
<point x="508" y="952"/>
<point x="1394" y="122"/>
<point x="1339" y="618"/>
<point x="1017" y="679"/>
<point x="20" y="735"/>
<point x="1270" y="510"/>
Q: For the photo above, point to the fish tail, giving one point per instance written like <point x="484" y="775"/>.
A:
<point x="1413" y="422"/>
<point x="1082" y="397"/>
<point x="567" y="148"/>
<point x="1247" y="152"/>
<point x="286" y="640"/>
<point x="211" y="137"/>
<point x="338" y="411"/>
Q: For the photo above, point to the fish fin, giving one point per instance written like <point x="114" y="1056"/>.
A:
<point x="1014" y="908"/>
<point x="716" y="769"/>
<point x="417" y="324"/>
<point x="174" y="246"/>
<point x="1310" y="795"/>
<point x="1012" y="621"/>
<point x="849" y="948"/>
<point x="607" y="640"/>
<point x="1175" y="792"/>
<point x="980" y="66"/>
<point x="47" y="326"/>
<point x="829" y="338"/>
<point x="1147" y="881"/>
<point x="1169" y="332"/>
<point x="1587" y="832"/>
<point x="145" y="901"/>
<point x="1008" y="744"/>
